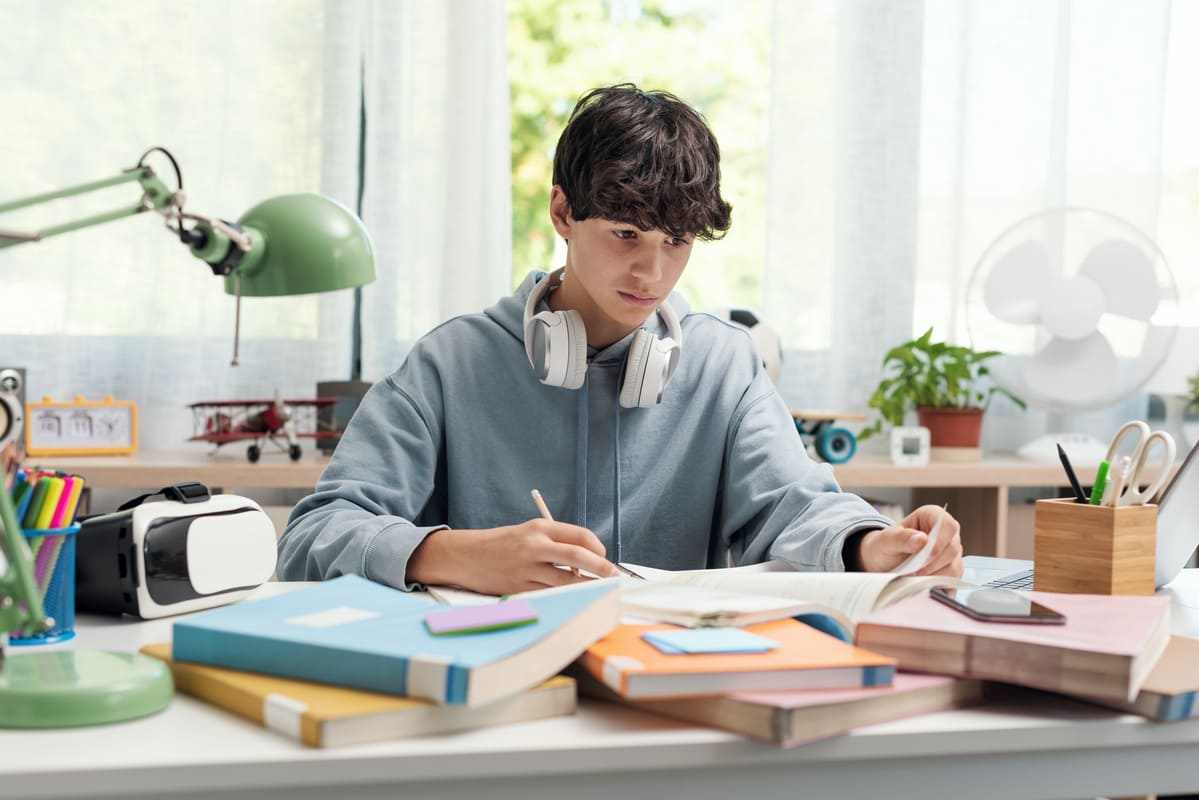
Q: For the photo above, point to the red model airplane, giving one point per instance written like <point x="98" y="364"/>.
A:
<point x="280" y="422"/>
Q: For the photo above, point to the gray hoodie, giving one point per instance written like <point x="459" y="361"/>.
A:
<point x="463" y="430"/>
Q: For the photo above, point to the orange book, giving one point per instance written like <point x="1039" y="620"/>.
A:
<point x="804" y="658"/>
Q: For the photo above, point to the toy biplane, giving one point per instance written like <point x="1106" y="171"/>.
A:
<point x="830" y="443"/>
<point x="281" y="422"/>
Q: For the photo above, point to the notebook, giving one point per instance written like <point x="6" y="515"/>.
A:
<point x="1177" y="536"/>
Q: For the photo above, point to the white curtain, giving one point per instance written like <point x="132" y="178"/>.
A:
<point x="438" y="169"/>
<point x="254" y="99"/>
<point x="251" y="98"/>
<point x="907" y="135"/>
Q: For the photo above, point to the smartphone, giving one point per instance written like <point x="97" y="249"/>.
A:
<point x="996" y="605"/>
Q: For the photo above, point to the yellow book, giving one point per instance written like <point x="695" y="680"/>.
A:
<point x="320" y="715"/>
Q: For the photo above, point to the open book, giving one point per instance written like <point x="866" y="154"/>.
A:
<point x="761" y="592"/>
<point x="738" y="596"/>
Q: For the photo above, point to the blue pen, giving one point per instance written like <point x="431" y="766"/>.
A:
<point x="1100" y="483"/>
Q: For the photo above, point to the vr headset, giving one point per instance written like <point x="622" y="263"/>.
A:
<point x="191" y="551"/>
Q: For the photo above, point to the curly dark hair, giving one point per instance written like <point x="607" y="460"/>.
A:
<point x="644" y="158"/>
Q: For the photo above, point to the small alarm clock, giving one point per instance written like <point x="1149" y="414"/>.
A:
<point x="910" y="446"/>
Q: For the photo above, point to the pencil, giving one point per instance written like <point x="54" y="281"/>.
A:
<point x="545" y="514"/>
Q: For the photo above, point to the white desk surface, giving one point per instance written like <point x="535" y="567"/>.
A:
<point x="1028" y="745"/>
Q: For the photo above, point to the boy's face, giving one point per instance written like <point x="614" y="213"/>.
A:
<point x="616" y="275"/>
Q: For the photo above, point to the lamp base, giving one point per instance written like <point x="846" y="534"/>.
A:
<point x="68" y="688"/>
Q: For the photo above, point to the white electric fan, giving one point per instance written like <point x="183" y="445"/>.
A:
<point x="1084" y="309"/>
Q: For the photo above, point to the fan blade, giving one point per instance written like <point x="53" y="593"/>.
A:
<point x="1125" y="274"/>
<point x="1073" y="372"/>
<point x="1010" y="290"/>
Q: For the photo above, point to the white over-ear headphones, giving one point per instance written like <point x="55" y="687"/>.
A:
<point x="556" y="344"/>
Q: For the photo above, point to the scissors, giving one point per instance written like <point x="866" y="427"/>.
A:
<point x="1132" y="494"/>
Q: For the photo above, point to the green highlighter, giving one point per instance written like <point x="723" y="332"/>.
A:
<point x="1100" y="483"/>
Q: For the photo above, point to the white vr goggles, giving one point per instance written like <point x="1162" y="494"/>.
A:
<point x="191" y="551"/>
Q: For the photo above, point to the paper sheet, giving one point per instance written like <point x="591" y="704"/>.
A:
<point x="918" y="559"/>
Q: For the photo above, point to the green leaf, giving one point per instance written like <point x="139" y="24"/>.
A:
<point x="924" y="372"/>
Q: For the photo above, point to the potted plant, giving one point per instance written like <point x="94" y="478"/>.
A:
<point x="943" y="383"/>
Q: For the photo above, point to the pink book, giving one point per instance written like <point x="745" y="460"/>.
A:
<point x="1106" y="648"/>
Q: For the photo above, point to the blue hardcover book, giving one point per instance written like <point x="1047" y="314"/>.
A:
<point x="351" y="631"/>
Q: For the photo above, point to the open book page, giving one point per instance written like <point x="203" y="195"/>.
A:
<point x="700" y="606"/>
<point x="730" y="596"/>
<point x="853" y="595"/>
<point x="454" y="596"/>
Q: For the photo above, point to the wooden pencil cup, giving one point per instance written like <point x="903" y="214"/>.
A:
<point x="1085" y="549"/>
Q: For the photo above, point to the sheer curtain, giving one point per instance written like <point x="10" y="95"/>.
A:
<point x="254" y="99"/>
<point x="907" y="135"/>
<point x="438" y="169"/>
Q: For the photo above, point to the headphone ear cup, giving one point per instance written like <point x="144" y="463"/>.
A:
<point x="576" y="367"/>
<point x="556" y="342"/>
<point x="651" y="362"/>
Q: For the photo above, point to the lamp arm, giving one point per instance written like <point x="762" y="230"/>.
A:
<point x="155" y="197"/>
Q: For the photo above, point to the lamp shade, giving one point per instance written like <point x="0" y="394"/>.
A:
<point x="303" y="243"/>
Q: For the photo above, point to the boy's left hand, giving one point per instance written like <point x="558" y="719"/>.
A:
<point x="886" y="549"/>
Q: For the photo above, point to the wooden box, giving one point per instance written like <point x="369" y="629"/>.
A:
<point x="1087" y="549"/>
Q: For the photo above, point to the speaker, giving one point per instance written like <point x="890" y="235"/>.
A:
<point x="12" y="405"/>
<point x="335" y="417"/>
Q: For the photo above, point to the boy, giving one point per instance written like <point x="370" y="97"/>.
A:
<point x="653" y="433"/>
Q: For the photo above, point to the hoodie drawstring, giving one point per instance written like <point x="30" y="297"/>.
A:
<point x="616" y="486"/>
<point x="581" y="457"/>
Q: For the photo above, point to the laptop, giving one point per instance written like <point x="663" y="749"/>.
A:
<point x="1177" y="536"/>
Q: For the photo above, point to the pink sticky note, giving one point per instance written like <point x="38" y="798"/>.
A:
<point x="477" y="619"/>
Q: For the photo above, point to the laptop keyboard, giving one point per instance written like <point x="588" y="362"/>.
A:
<point x="1017" y="580"/>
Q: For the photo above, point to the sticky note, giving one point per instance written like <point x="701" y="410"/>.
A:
<point x="708" y="640"/>
<point x="478" y="619"/>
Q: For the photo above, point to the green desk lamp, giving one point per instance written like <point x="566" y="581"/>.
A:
<point x="293" y="244"/>
<point x="61" y="688"/>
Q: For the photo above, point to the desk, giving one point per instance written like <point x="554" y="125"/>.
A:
<point x="225" y="469"/>
<point x="977" y="492"/>
<point x="1027" y="745"/>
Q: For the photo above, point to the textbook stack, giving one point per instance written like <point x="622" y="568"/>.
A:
<point x="1110" y="651"/>
<point x="350" y="660"/>
<point x="1106" y="649"/>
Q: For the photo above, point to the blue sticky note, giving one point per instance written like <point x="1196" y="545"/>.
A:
<point x="708" y="640"/>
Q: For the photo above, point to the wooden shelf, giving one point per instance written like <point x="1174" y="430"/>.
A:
<point x="221" y="470"/>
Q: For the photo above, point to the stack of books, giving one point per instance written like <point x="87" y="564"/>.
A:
<point x="350" y="661"/>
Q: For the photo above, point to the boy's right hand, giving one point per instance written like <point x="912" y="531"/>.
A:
<point x="514" y="558"/>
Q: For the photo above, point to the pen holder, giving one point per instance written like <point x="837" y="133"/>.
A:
<point x="1085" y="549"/>
<point x="54" y="573"/>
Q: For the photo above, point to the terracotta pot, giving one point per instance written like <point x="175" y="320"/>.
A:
<point x="952" y="427"/>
